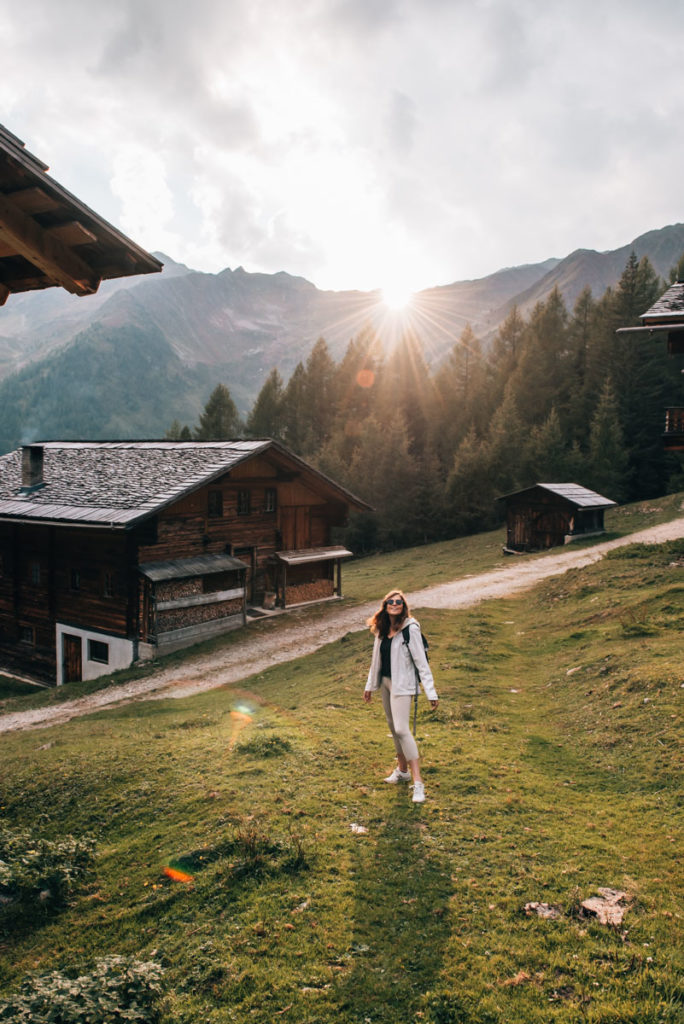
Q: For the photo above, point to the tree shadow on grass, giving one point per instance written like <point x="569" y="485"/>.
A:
<point x="401" y="919"/>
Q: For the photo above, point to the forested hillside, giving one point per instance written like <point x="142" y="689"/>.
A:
<point x="112" y="382"/>
<point x="558" y="396"/>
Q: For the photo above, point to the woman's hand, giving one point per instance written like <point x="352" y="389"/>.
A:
<point x="433" y="704"/>
<point x="367" y="696"/>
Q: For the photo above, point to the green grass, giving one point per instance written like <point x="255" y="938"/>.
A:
<point x="552" y="767"/>
<point x="12" y="687"/>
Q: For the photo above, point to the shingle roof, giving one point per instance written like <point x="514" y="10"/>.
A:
<point x="182" y="568"/>
<point x="116" y="483"/>
<point x="577" y="495"/>
<point x="669" y="306"/>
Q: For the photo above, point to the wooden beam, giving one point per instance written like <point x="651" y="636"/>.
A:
<point x="33" y="200"/>
<point x="70" y="233"/>
<point x="53" y="257"/>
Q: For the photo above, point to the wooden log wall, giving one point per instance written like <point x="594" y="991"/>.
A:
<point x="51" y="574"/>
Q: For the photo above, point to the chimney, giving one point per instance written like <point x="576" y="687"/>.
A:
<point x="31" y="468"/>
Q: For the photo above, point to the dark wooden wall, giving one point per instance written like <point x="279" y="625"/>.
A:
<point x="51" y="574"/>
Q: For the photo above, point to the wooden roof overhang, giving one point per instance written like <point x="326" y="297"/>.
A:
<point x="50" y="238"/>
<point x="306" y="555"/>
<point x="185" y="568"/>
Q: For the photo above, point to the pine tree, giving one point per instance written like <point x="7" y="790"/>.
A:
<point x="540" y="379"/>
<point x="320" y="398"/>
<point x="637" y="290"/>
<point x="266" y="416"/>
<point x="608" y="459"/>
<point x="504" y="357"/>
<point x="469" y="491"/>
<point x="220" y="420"/>
<point x="176" y="432"/>
<point x="546" y="457"/>
<point x="295" y="426"/>
<point x="581" y="332"/>
<point x="460" y="395"/>
<point x="386" y="475"/>
<point x="407" y="389"/>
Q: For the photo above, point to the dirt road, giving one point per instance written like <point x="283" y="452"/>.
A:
<point x="282" y="638"/>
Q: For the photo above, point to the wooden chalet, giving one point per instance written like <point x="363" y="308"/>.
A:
<point x="666" y="318"/>
<point x="111" y="552"/>
<point x="48" y="237"/>
<point x="547" y="515"/>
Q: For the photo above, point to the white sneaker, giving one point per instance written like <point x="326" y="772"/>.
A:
<point x="398" y="776"/>
<point x="418" y="792"/>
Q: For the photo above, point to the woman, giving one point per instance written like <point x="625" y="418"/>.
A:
<point x="392" y="672"/>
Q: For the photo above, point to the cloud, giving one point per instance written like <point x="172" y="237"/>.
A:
<point x="348" y="141"/>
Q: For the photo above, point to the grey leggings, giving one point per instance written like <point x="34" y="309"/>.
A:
<point x="397" y="708"/>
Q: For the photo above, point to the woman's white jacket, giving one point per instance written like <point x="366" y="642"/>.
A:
<point x="403" y="672"/>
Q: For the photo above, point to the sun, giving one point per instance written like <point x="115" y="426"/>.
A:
<point x="396" y="296"/>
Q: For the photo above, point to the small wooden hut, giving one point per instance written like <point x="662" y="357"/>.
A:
<point x="547" y="515"/>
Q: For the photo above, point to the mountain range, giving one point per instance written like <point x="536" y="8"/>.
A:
<point x="143" y="352"/>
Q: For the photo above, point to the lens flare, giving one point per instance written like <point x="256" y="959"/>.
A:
<point x="241" y="715"/>
<point x="365" y="378"/>
<point x="178" y="876"/>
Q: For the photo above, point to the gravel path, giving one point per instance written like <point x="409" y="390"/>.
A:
<point x="282" y="638"/>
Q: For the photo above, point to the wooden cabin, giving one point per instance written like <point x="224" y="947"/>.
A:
<point x="665" y="318"/>
<point x="112" y="552"/>
<point x="50" y="238"/>
<point x="547" y="515"/>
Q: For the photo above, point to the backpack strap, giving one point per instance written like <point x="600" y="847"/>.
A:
<point x="406" y="633"/>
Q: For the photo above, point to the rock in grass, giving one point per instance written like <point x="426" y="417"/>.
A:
<point x="609" y="907"/>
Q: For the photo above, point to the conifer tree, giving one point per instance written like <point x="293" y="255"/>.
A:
<point x="469" y="491"/>
<point x="295" y="426"/>
<point x="540" y="379"/>
<point x="460" y="395"/>
<point x="320" y="399"/>
<point x="608" y="459"/>
<point x="547" y="458"/>
<point x="178" y="432"/>
<point x="504" y="357"/>
<point x="406" y="388"/>
<point x="219" y="420"/>
<point x="581" y="331"/>
<point x="386" y="475"/>
<point x="266" y="416"/>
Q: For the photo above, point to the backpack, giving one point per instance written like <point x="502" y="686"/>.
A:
<point x="426" y="646"/>
<point x="406" y="634"/>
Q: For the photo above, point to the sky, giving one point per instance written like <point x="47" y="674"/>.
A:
<point x="361" y="144"/>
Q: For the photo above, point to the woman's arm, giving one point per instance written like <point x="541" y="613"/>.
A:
<point x="422" y="665"/>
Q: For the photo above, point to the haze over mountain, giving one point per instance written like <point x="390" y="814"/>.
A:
<point x="140" y="353"/>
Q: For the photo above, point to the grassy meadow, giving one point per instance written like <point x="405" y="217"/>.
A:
<point x="552" y="768"/>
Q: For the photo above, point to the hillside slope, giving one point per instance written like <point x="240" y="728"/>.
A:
<point x="243" y="839"/>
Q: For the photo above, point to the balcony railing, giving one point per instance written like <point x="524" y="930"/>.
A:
<point x="673" y="437"/>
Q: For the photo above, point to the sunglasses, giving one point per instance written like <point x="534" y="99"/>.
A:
<point x="394" y="600"/>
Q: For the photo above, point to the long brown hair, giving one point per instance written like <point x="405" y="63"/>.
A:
<point x="380" y="622"/>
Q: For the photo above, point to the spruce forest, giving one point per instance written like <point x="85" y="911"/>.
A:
<point x="556" y="397"/>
